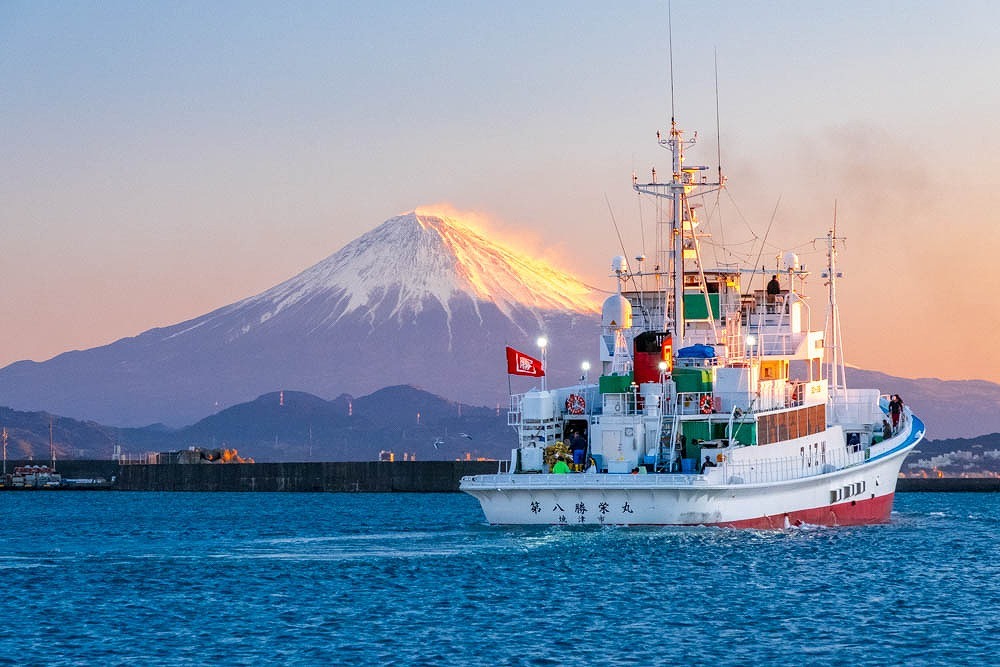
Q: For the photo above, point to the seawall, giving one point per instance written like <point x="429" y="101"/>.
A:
<point x="948" y="484"/>
<point x="379" y="476"/>
<point x="365" y="476"/>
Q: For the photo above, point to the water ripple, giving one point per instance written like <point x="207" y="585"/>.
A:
<point x="307" y="579"/>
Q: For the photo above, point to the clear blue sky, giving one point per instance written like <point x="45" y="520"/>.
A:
<point x="164" y="159"/>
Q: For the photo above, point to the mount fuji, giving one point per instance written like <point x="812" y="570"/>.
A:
<point x="422" y="299"/>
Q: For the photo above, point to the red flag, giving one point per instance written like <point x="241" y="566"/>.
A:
<point x="519" y="363"/>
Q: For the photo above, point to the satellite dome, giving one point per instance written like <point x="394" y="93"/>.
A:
<point x="617" y="312"/>
<point x="790" y="261"/>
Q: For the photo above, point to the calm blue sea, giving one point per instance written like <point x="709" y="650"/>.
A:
<point x="323" y="579"/>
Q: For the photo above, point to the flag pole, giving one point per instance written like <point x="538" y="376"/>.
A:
<point x="543" y="343"/>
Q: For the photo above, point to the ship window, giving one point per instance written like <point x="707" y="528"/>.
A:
<point x="791" y="424"/>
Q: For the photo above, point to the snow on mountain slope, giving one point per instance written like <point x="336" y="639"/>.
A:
<point x="434" y="257"/>
<point x="405" y="264"/>
<point x="421" y="299"/>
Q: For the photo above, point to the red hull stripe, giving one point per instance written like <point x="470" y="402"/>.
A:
<point x="853" y="513"/>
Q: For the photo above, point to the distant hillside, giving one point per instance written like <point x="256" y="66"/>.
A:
<point x="296" y="426"/>
<point x="28" y="436"/>
<point x="955" y="457"/>
<point x="936" y="447"/>
<point x="288" y="426"/>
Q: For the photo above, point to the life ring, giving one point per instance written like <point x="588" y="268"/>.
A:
<point x="575" y="404"/>
<point x="706" y="405"/>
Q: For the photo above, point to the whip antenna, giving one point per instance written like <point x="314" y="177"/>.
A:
<point x="718" y="124"/>
<point x="718" y="147"/>
<point x="670" y="43"/>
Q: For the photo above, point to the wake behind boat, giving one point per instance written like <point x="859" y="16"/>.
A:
<point x="715" y="405"/>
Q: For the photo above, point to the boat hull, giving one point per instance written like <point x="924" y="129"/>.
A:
<point x="856" y="495"/>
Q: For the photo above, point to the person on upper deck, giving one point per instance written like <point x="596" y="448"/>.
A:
<point x="895" y="409"/>
<point x="709" y="463"/>
<point x="886" y="429"/>
<point x="773" y="287"/>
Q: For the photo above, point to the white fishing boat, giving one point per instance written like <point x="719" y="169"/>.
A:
<point x="717" y="404"/>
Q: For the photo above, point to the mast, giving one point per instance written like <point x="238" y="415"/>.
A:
<point x="683" y="180"/>
<point x="836" y="373"/>
<point x="677" y="230"/>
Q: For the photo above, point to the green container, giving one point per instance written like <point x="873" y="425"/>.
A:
<point x="695" y="308"/>
<point x="692" y="379"/>
<point x="615" y="384"/>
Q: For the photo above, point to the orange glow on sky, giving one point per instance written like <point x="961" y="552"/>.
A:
<point x="149" y="181"/>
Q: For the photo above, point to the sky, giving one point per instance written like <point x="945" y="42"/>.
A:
<point x="160" y="160"/>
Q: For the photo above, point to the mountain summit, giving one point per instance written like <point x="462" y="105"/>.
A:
<point x="413" y="262"/>
<point x="421" y="299"/>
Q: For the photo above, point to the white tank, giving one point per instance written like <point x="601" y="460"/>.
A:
<point x="647" y="389"/>
<point x="651" y="393"/>
<point x="617" y="312"/>
<point x="537" y="405"/>
<point x="532" y="459"/>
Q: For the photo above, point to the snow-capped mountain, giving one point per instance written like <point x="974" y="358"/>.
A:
<point x="422" y="300"/>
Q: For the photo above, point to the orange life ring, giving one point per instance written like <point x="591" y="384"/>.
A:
<point x="706" y="405"/>
<point x="575" y="404"/>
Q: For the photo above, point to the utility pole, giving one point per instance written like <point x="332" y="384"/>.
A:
<point x="52" y="447"/>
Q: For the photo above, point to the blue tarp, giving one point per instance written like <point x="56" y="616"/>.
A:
<point x="697" y="352"/>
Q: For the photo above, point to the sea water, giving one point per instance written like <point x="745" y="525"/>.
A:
<point x="419" y="579"/>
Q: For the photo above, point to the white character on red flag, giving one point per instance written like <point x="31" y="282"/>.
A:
<point x="519" y="363"/>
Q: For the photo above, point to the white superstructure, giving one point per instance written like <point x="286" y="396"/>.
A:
<point x="715" y="404"/>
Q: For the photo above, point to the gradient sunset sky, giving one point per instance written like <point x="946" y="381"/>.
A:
<point x="163" y="159"/>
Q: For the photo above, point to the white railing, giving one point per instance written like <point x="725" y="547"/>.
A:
<point x="854" y="407"/>
<point x="583" y="480"/>
<point x="809" y="464"/>
<point x="709" y="402"/>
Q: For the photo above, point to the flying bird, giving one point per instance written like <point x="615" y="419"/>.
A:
<point x="438" y="443"/>
<point x="466" y="435"/>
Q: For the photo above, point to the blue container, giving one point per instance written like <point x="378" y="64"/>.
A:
<point x="687" y="466"/>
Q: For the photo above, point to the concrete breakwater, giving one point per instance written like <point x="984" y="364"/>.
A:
<point x="364" y="476"/>
<point x="378" y="476"/>
<point x="956" y="484"/>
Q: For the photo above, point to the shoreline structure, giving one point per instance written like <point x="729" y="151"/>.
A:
<point x="350" y="477"/>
